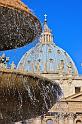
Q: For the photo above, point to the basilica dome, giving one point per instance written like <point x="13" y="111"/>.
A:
<point x="46" y="57"/>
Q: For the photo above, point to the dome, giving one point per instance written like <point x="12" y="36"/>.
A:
<point x="47" y="57"/>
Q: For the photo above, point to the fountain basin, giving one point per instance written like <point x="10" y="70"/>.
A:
<point x="18" y="25"/>
<point x="24" y="95"/>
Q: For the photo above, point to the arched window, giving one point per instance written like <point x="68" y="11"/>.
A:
<point x="78" y="122"/>
<point x="49" y="121"/>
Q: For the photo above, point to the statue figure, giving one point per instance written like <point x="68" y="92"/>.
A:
<point x="69" y="68"/>
<point x="61" y="67"/>
<point x="38" y="67"/>
<point x="13" y="66"/>
<point x="3" y="61"/>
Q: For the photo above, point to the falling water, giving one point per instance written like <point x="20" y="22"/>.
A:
<point x="17" y="26"/>
<point x="22" y="96"/>
<point x="25" y="96"/>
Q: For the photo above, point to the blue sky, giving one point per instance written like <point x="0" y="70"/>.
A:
<point x="65" y="20"/>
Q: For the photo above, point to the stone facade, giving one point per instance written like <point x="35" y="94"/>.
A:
<point x="69" y="109"/>
<point x="54" y="63"/>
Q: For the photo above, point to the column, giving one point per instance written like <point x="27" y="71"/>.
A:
<point x="66" y="120"/>
<point x="30" y="121"/>
<point x="50" y="38"/>
<point x="45" y="38"/>
<point x="61" y="118"/>
<point x="71" y="118"/>
<point x="37" y="120"/>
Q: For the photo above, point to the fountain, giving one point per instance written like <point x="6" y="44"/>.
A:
<point x="18" y="26"/>
<point x="22" y="95"/>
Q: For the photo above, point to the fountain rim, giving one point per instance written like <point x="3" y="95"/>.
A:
<point x="25" y="9"/>
<point x="9" y="71"/>
<point x="24" y="73"/>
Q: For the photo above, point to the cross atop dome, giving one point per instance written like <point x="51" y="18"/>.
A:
<point x="45" y="17"/>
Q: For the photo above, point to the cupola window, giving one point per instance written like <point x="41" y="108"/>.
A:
<point x="58" y="51"/>
<point x="65" y="54"/>
<point x="77" y="89"/>
<point x="78" y="122"/>
<point x="28" y="61"/>
<point x="51" y="60"/>
<point x="39" y="60"/>
<point x="49" y="50"/>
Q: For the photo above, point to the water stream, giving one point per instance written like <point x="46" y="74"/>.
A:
<point x="23" y="97"/>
